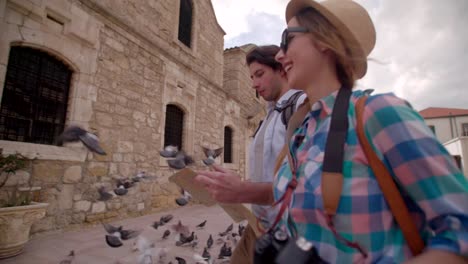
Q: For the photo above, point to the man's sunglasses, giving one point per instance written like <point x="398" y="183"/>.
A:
<point x="285" y="39"/>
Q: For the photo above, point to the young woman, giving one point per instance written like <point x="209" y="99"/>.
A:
<point x="325" y="49"/>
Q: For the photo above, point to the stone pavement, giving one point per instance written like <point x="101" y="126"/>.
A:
<point x="90" y="246"/>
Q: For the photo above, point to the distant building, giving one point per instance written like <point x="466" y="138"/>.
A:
<point x="450" y="125"/>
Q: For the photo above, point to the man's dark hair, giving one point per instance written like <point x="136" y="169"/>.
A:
<point x="264" y="55"/>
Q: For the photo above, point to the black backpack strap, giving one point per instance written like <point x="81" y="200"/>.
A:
<point x="288" y="108"/>
<point x="258" y="128"/>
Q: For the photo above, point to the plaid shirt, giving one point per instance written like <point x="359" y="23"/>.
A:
<point x="434" y="189"/>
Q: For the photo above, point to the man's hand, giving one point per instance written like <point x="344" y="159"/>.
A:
<point x="226" y="186"/>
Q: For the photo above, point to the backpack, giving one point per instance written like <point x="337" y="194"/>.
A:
<point x="286" y="109"/>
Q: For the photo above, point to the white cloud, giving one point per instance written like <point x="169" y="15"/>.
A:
<point x="422" y="45"/>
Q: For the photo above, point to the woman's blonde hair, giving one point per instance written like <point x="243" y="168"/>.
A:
<point x="328" y="36"/>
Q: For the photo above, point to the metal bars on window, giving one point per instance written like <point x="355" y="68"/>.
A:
<point x="227" y="145"/>
<point x="35" y="97"/>
<point x="185" y="22"/>
<point x="174" y="126"/>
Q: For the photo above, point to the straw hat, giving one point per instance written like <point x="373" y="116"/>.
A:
<point x="351" y="20"/>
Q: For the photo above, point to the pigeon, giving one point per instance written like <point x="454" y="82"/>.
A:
<point x="241" y="230"/>
<point x="103" y="194"/>
<point x="211" y="155"/>
<point x="166" y="234"/>
<point x="229" y="228"/>
<point x="185" y="239"/>
<point x="166" y="218"/>
<point x="125" y="183"/>
<point x="69" y="258"/>
<point x="202" y="224"/>
<point x="200" y="259"/>
<point x="181" y="160"/>
<point x="180" y="260"/>
<point x="186" y="197"/>
<point x="116" y="234"/>
<point x="76" y="133"/>
<point x="206" y="255"/>
<point x="224" y="252"/>
<point x="121" y="190"/>
<point x="156" y="224"/>
<point x="180" y="228"/>
<point x="149" y="254"/>
<point x="169" y="151"/>
<point x="209" y="242"/>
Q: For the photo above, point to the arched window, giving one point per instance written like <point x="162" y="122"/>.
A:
<point x="174" y="127"/>
<point x="35" y="97"/>
<point x="227" y="145"/>
<point x="185" y="22"/>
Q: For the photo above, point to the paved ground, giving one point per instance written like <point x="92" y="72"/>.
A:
<point x="90" y="246"/>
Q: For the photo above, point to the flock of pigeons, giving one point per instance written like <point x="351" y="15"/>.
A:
<point x="148" y="252"/>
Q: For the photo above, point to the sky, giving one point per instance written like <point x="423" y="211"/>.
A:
<point x="421" y="53"/>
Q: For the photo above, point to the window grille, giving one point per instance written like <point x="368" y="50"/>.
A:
<point x="174" y="126"/>
<point x="35" y="97"/>
<point x="227" y="145"/>
<point x="185" y="22"/>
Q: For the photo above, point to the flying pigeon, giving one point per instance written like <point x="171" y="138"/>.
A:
<point x="76" y="133"/>
<point x="241" y="230"/>
<point x="180" y="228"/>
<point x="169" y="151"/>
<point x="103" y="194"/>
<point x="116" y="234"/>
<point x="186" y="197"/>
<point x="166" y="218"/>
<point x="211" y="155"/>
<point x="202" y="224"/>
<point x="69" y="258"/>
<point x="209" y="242"/>
<point x="121" y="190"/>
<point x="149" y="254"/>
<point x="180" y="161"/>
<point x="229" y="228"/>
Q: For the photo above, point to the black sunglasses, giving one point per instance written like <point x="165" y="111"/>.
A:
<point x="285" y="39"/>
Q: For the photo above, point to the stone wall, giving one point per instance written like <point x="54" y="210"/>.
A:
<point x="127" y="66"/>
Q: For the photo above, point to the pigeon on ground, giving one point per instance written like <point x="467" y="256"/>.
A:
<point x="116" y="234"/>
<point x="121" y="190"/>
<point x="206" y="255"/>
<point x="225" y="252"/>
<point x="169" y="151"/>
<point x="125" y="183"/>
<point x="180" y="260"/>
<point x="69" y="258"/>
<point x="211" y="155"/>
<point x="103" y="194"/>
<point x="186" y="197"/>
<point x="185" y="239"/>
<point x="202" y="224"/>
<point x="76" y="133"/>
<point x="156" y="224"/>
<point x="209" y="242"/>
<point x="166" y="234"/>
<point x="181" y="160"/>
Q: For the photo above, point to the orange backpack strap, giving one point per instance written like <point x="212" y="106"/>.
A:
<point x="387" y="185"/>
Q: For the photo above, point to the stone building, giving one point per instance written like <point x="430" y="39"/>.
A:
<point x="141" y="75"/>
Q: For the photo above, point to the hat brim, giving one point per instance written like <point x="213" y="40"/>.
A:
<point x="357" y="52"/>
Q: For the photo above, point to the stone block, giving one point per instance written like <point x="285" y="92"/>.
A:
<point x="82" y="206"/>
<point x="140" y="206"/>
<point x="124" y="146"/>
<point x="65" y="197"/>
<point x="98" y="207"/>
<point x="98" y="169"/>
<point x="47" y="172"/>
<point x="72" y="174"/>
<point x="18" y="179"/>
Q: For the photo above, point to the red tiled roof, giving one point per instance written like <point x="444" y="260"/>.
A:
<point x="434" y="112"/>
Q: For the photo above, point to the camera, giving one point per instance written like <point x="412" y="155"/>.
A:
<point x="276" y="247"/>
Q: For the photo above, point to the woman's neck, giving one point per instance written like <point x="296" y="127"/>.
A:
<point x="325" y="83"/>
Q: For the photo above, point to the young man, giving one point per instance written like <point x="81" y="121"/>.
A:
<point x="269" y="80"/>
